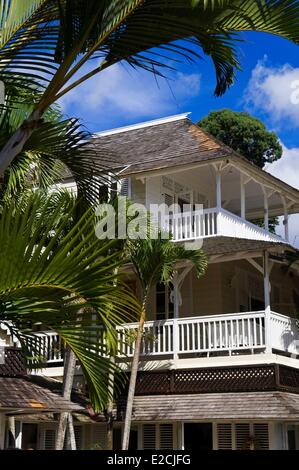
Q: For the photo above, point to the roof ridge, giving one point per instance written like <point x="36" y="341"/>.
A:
<point x="141" y="125"/>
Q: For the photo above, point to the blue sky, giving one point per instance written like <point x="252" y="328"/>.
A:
<point x="121" y="96"/>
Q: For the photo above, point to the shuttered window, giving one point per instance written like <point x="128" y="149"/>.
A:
<point x="125" y="187"/>
<point x="78" y="437"/>
<point x="243" y="436"/>
<point x="149" y="436"/>
<point x="49" y="439"/>
<point x="166" y="437"/>
<point x="98" y="437"/>
<point x="224" y="436"/>
<point x="261" y="434"/>
<point x="157" y="436"/>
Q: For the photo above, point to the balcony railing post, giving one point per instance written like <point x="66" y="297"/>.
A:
<point x="175" y="338"/>
<point x="267" y="302"/>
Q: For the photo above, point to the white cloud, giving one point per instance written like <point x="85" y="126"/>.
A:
<point x="125" y="93"/>
<point x="286" y="169"/>
<point x="271" y="90"/>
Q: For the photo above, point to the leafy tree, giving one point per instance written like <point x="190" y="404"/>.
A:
<point x="154" y="261"/>
<point x="244" y="134"/>
<point x="48" y="41"/>
<point x="248" y="136"/>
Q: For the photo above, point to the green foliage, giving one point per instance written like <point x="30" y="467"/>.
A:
<point x="155" y="260"/>
<point x="244" y="134"/>
<point x="55" y="272"/>
<point x="58" y="148"/>
<point x="248" y="136"/>
<point x="56" y="37"/>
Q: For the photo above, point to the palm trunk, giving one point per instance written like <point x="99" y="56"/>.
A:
<point x="110" y="410"/>
<point x="11" y="429"/>
<point x="133" y="378"/>
<point x="16" y="142"/>
<point x="68" y="379"/>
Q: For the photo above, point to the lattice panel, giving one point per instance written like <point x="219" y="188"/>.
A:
<point x="232" y="379"/>
<point x="149" y="383"/>
<point x="289" y="377"/>
<point x="14" y="363"/>
<point x="225" y="379"/>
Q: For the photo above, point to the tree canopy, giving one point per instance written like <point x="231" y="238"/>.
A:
<point x="244" y="134"/>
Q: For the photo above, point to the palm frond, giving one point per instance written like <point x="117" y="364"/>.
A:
<point x="57" y="277"/>
<point x="155" y="259"/>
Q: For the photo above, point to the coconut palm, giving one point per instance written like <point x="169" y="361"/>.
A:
<point x="59" y="148"/>
<point x="154" y="261"/>
<point x="47" y="42"/>
<point x="57" y="274"/>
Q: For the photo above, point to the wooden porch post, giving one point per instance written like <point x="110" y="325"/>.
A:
<point x="285" y="219"/>
<point x="267" y="302"/>
<point x="218" y="190"/>
<point x="266" y="211"/>
<point x="243" y="202"/>
<point x="175" y="317"/>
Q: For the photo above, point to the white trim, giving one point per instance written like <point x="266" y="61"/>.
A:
<point x="141" y="125"/>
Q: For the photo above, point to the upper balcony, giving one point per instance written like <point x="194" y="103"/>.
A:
<point x="192" y="225"/>
<point x="226" y="335"/>
<point x="233" y="199"/>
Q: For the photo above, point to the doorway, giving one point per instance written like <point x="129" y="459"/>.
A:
<point x="198" y="436"/>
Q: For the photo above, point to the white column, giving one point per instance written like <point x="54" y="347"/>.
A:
<point x="218" y="190"/>
<point x="285" y="219"/>
<point x="267" y="302"/>
<point x="266" y="211"/>
<point x="176" y="311"/>
<point x="243" y="206"/>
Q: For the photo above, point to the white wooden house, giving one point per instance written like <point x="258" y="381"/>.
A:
<point x="220" y="369"/>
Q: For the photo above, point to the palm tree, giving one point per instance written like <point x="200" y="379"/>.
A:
<point x="47" y="42"/>
<point x="55" y="272"/>
<point x="60" y="147"/>
<point x="154" y="261"/>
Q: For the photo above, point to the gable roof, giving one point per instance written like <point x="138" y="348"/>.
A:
<point x="158" y="145"/>
<point x="172" y="142"/>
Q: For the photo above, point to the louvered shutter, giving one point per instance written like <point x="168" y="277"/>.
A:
<point x="99" y="436"/>
<point x="168" y="199"/>
<point x="149" y="437"/>
<point x="78" y="436"/>
<point x="166" y="437"/>
<point x="224" y="436"/>
<point x="49" y="439"/>
<point x="125" y="187"/>
<point x="261" y="435"/>
<point x="242" y="432"/>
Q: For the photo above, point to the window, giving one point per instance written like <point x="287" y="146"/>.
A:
<point x="29" y="436"/>
<point x="157" y="436"/>
<point x="164" y="307"/>
<point x="242" y="436"/>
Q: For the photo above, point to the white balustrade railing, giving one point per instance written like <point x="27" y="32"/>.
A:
<point x="221" y="334"/>
<point x="284" y="333"/>
<point x="49" y="347"/>
<point x="205" y="334"/>
<point x="191" y="225"/>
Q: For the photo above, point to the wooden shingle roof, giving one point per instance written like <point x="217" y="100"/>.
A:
<point x="171" y="143"/>
<point x="218" y="406"/>
<point x="223" y="245"/>
<point x="158" y="146"/>
<point x="20" y="394"/>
